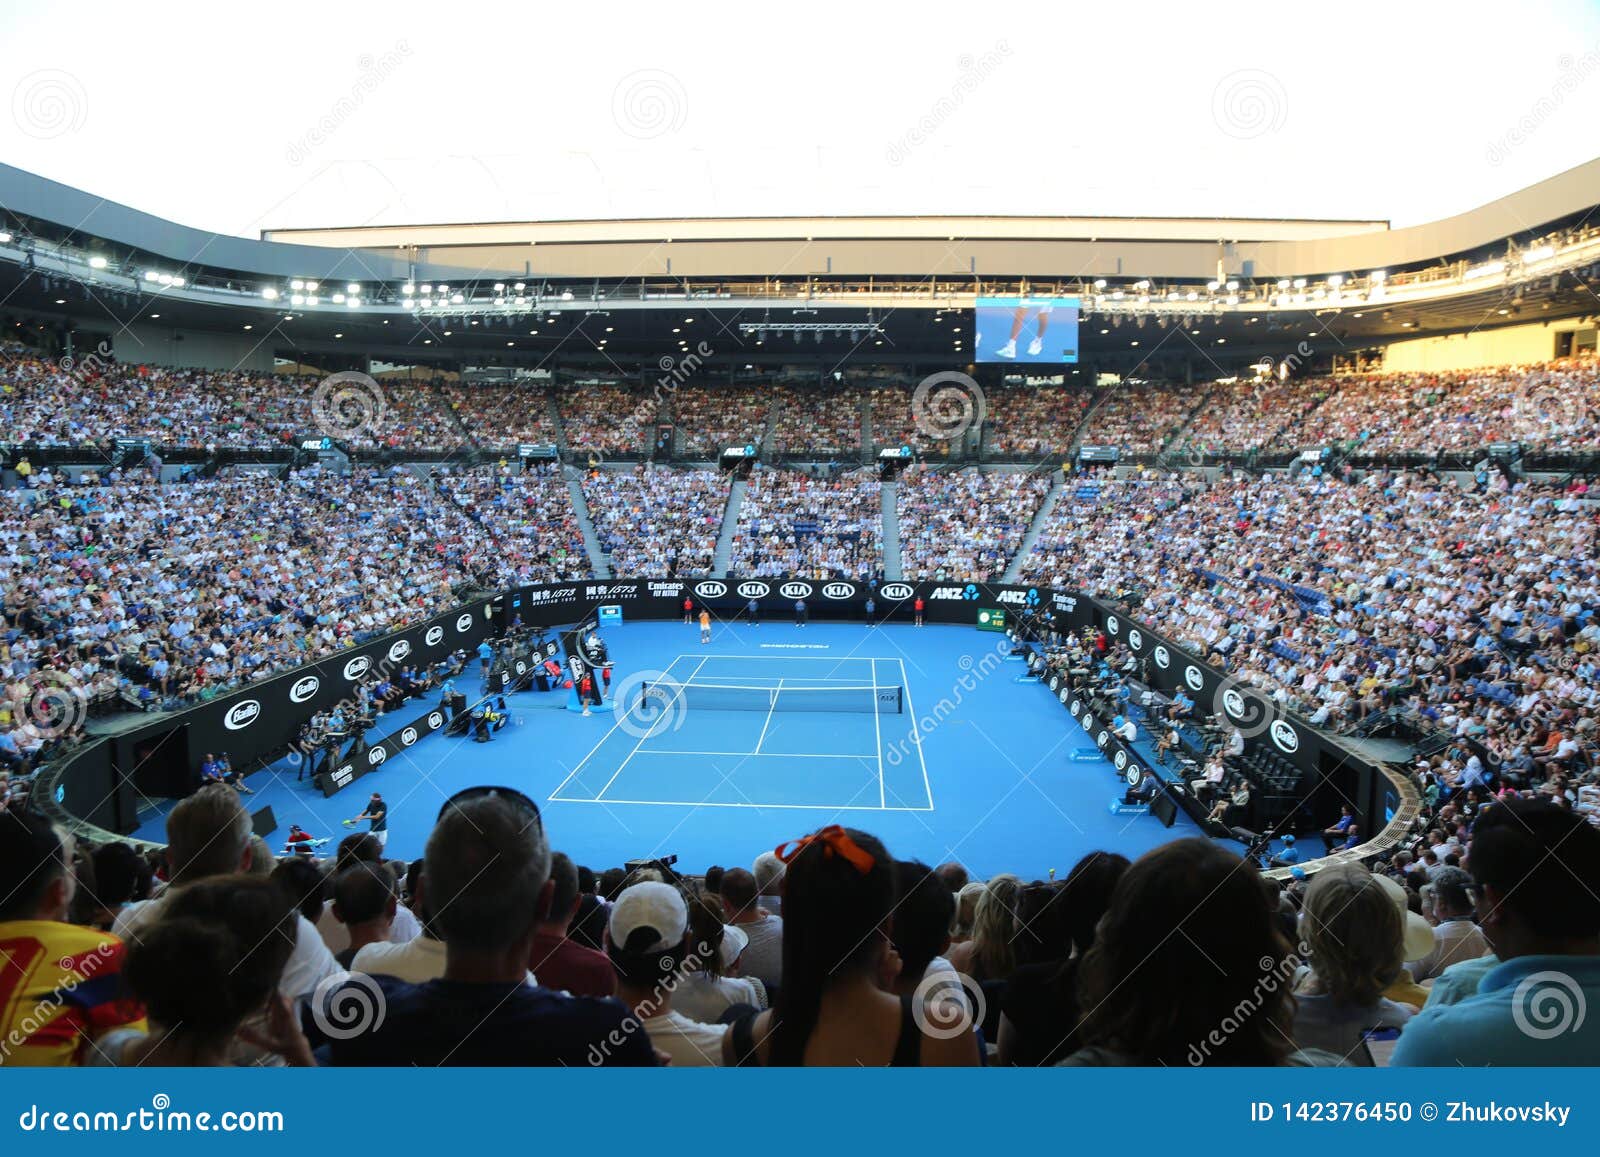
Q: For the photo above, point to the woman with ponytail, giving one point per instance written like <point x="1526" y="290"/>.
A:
<point x="207" y="973"/>
<point x="837" y="1005"/>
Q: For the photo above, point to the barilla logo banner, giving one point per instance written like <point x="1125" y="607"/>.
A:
<point x="839" y="591"/>
<point x="1163" y="657"/>
<point x="711" y="589"/>
<point x="1192" y="676"/>
<point x="463" y="624"/>
<point x="242" y="715"/>
<point x="795" y="590"/>
<point x="398" y="650"/>
<point x="897" y="592"/>
<point x="304" y="689"/>
<point x="754" y="590"/>
<point x="1285" y="736"/>
<point x="1233" y="703"/>
<point x="434" y="635"/>
<point x="356" y="668"/>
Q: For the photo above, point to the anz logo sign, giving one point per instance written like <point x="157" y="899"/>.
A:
<point x="1112" y="625"/>
<point x="242" y="715"/>
<point x="711" y="589"/>
<point x="838" y="591"/>
<point x="1135" y="640"/>
<point x="754" y="590"/>
<point x="435" y="720"/>
<point x="356" y="668"/>
<point x="1121" y="760"/>
<point x="795" y="590"/>
<point x="304" y="689"/>
<point x="897" y="592"/>
<point x="435" y="633"/>
<point x="408" y="737"/>
<point x="1027" y="598"/>
<point x="1285" y="736"/>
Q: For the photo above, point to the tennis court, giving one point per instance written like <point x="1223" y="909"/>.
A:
<point x="759" y="731"/>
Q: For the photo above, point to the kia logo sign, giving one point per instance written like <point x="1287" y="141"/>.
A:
<point x="1233" y="703"/>
<point x="376" y="756"/>
<point x="897" y="591"/>
<point x="435" y="633"/>
<point x="795" y="590"/>
<point x="304" y="689"/>
<point x="241" y="715"/>
<point x="754" y="590"/>
<point x="1163" y="657"/>
<point x="435" y="720"/>
<point x="1112" y="626"/>
<point x="838" y="591"/>
<point x="1285" y="736"/>
<point x="356" y="668"/>
<point x="1192" y="676"/>
<point x="408" y="737"/>
<point x="463" y="624"/>
<point x="711" y="590"/>
<point x="1135" y="640"/>
<point x="399" y="650"/>
<point x="1121" y="760"/>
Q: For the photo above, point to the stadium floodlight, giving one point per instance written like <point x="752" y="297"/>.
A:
<point x="1538" y="253"/>
<point x="1283" y="283"/>
<point x="408" y="288"/>
<point x="5" y="238"/>
<point x="457" y="299"/>
<point x="297" y="299"/>
<point x="151" y="275"/>
<point x="1378" y="276"/>
<point x="1336" y="280"/>
<point x="566" y="295"/>
<point x="1233" y="286"/>
<point x="1141" y="285"/>
<point x="443" y="288"/>
<point x="178" y="282"/>
<point x="1191" y="296"/>
<point x="338" y="299"/>
<point x="270" y="293"/>
<point x="311" y="287"/>
<point x="499" y="287"/>
<point x="353" y="288"/>
<point x="312" y="299"/>
<point x="1299" y="282"/>
<point x="297" y="284"/>
<point x="1487" y="269"/>
<point x="519" y="286"/>
<point x="97" y="262"/>
<point x="1100" y="283"/>
<point x="427" y="291"/>
<point x="1213" y="286"/>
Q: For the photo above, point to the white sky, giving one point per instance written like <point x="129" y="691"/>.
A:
<point x="237" y="117"/>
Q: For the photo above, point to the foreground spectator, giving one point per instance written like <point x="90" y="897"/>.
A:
<point x="763" y="955"/>
<point x="559" y="961"/>
<point x="648" y="943"/>
<point x="487" y="869"/>
<point x="63" y="989"/>
<point x="833" y="1009"/>
<point x="1534" y="865"/>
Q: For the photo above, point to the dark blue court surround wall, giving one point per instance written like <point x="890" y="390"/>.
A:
<point x="263" y="719"/>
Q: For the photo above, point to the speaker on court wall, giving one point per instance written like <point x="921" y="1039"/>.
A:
<point x="263" y="822"/>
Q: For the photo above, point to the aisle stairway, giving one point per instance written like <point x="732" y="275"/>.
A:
<point x="580" y="507"/>
<point x="730" y="520"/>
<point x="1045" y="507"/>
<point x="892" y="562"/>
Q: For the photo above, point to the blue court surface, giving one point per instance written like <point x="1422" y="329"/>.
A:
<point x="713" y="753"/>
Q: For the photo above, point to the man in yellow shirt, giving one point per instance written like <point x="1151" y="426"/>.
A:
<point x="59" y="987"/>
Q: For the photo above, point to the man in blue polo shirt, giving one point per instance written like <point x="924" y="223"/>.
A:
<point x="1534" y="865"/>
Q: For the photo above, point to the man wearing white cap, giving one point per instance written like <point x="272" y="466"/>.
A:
<point x="647" y="940"/>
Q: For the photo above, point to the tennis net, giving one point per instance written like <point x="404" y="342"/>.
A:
<point x="668" y="694"/>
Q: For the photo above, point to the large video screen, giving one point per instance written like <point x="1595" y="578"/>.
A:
<point x="1028" y="330"/>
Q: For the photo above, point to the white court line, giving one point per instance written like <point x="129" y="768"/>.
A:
<point x="916" y="735"/>
<point x="877" y="732"/>
<point x="763" y="754"/>
<point x="649" y="731"/>
<point x="771" y="707"/>
<point x="621" y="718"/>
<point x="819" y="807"/>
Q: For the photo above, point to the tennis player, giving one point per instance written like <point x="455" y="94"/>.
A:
<point x="377" y="816"/>
<point x="705" y="625"/>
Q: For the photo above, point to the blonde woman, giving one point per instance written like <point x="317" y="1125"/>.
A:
<point x="990" y="954"/>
